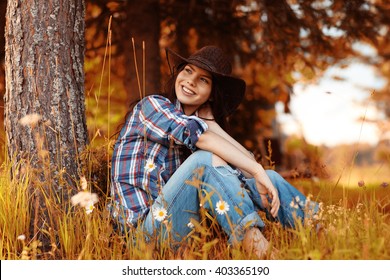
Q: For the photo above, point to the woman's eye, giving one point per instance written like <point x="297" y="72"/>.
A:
<point x="204" y="80"/>
<point x="188" y="70"/>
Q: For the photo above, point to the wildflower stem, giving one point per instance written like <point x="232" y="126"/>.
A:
<point x="136" y="68"/>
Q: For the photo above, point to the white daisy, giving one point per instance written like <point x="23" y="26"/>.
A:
<point x="89" y="208"/>
<point x="222" y="207"/>
<point x="149" y="166"/>
<point x="84" y="198"/>
<point x="190" y="225"/>
<point x="294" y="205"/>
<point x="21" y="237"/>
<point x="159" y="213"/>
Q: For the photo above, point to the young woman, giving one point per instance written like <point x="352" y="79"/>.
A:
<point x="153" y="182"/>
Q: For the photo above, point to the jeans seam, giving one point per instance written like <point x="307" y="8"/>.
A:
<point x="182" y="187"/>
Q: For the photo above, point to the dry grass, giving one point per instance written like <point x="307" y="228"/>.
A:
<point x="355" y="225"/>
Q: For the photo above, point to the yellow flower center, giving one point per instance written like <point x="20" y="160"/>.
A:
<point x="222" y="207"/>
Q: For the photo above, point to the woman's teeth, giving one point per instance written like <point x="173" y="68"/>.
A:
<point x="186" y="90"/>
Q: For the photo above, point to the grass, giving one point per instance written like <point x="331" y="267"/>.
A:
<point x="355" y="225"/>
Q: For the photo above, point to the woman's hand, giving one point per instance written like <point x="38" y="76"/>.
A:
<point x="267" y="191"/>
<point x="217" y="141"/>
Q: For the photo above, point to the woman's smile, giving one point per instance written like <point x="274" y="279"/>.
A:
<point x="187" y="91"/>
<point x="193" y="87"/>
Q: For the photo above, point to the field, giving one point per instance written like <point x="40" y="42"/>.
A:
<point x="354" y="224"/>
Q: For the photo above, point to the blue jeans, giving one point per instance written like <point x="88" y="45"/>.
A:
<point x="197" y="183"/>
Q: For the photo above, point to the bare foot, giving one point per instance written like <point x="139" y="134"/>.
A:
<point x="255" y="243"/>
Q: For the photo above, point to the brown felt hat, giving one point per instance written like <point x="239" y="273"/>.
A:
<point x="213" y="60"/>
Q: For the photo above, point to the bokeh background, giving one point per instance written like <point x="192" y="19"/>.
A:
<point x="318" y="72"/>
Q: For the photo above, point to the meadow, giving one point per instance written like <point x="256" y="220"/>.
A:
<point x="354" y="224"/>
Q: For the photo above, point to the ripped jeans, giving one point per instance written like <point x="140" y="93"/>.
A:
<point x="197" y="183"/>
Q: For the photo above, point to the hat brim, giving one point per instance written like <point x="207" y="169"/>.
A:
<point x="234" y="88"/>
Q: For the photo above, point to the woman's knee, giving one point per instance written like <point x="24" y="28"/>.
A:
<point x="200" y="157"/>
<point x="208" y="158"/>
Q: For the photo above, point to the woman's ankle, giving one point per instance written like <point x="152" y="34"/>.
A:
<point x="255" y="243"/>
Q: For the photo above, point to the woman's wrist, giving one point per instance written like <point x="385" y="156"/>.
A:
<point x="258" y="170"/>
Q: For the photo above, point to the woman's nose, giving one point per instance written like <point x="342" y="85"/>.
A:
<point x="190" y="82"/>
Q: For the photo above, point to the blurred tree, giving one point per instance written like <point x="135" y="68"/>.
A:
<point x="382" y="97"/>
<point x="138" y="20"/>
<point x="272" y="44"/>
<point x="44" y="99"/>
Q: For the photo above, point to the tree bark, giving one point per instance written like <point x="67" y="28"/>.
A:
<point x="3" y="7"/>
<point x="45" y="76"/>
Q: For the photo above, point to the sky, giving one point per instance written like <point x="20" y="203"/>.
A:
<point x="329" y="112"/>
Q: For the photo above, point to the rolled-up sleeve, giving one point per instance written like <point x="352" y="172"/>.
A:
<point x="161" y="121"/>
<point x="194" y="128"/>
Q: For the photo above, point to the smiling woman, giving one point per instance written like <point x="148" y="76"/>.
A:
<point x="160" y="192"/>
<point x="193" y="88"/>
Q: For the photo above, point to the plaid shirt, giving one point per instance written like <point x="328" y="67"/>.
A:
<point x="154" y="132"/>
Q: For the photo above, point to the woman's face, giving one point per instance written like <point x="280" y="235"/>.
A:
<point x="193" y="87"/>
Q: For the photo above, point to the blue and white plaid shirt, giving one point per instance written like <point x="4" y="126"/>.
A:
<point x="153" y="132"/>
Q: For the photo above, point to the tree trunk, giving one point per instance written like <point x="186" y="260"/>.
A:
<point x="44" y="99"/>
<point x="3" y="7"/>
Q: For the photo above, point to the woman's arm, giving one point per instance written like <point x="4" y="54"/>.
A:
<point x="205" y="113"/>
<point x="220" y="146"/>
<point x="214" y="127"/>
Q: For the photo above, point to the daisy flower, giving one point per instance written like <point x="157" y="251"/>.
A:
<point x="149" y="166"/>
<point x="84" y="198"/>
<point x="190" y="225"/>
<point x="222" y="207"/>
<point x="159" y="213"/>
<point x="89" y="208"/>
<point x="293" y="204"/>
<point x="21" y="237"/>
